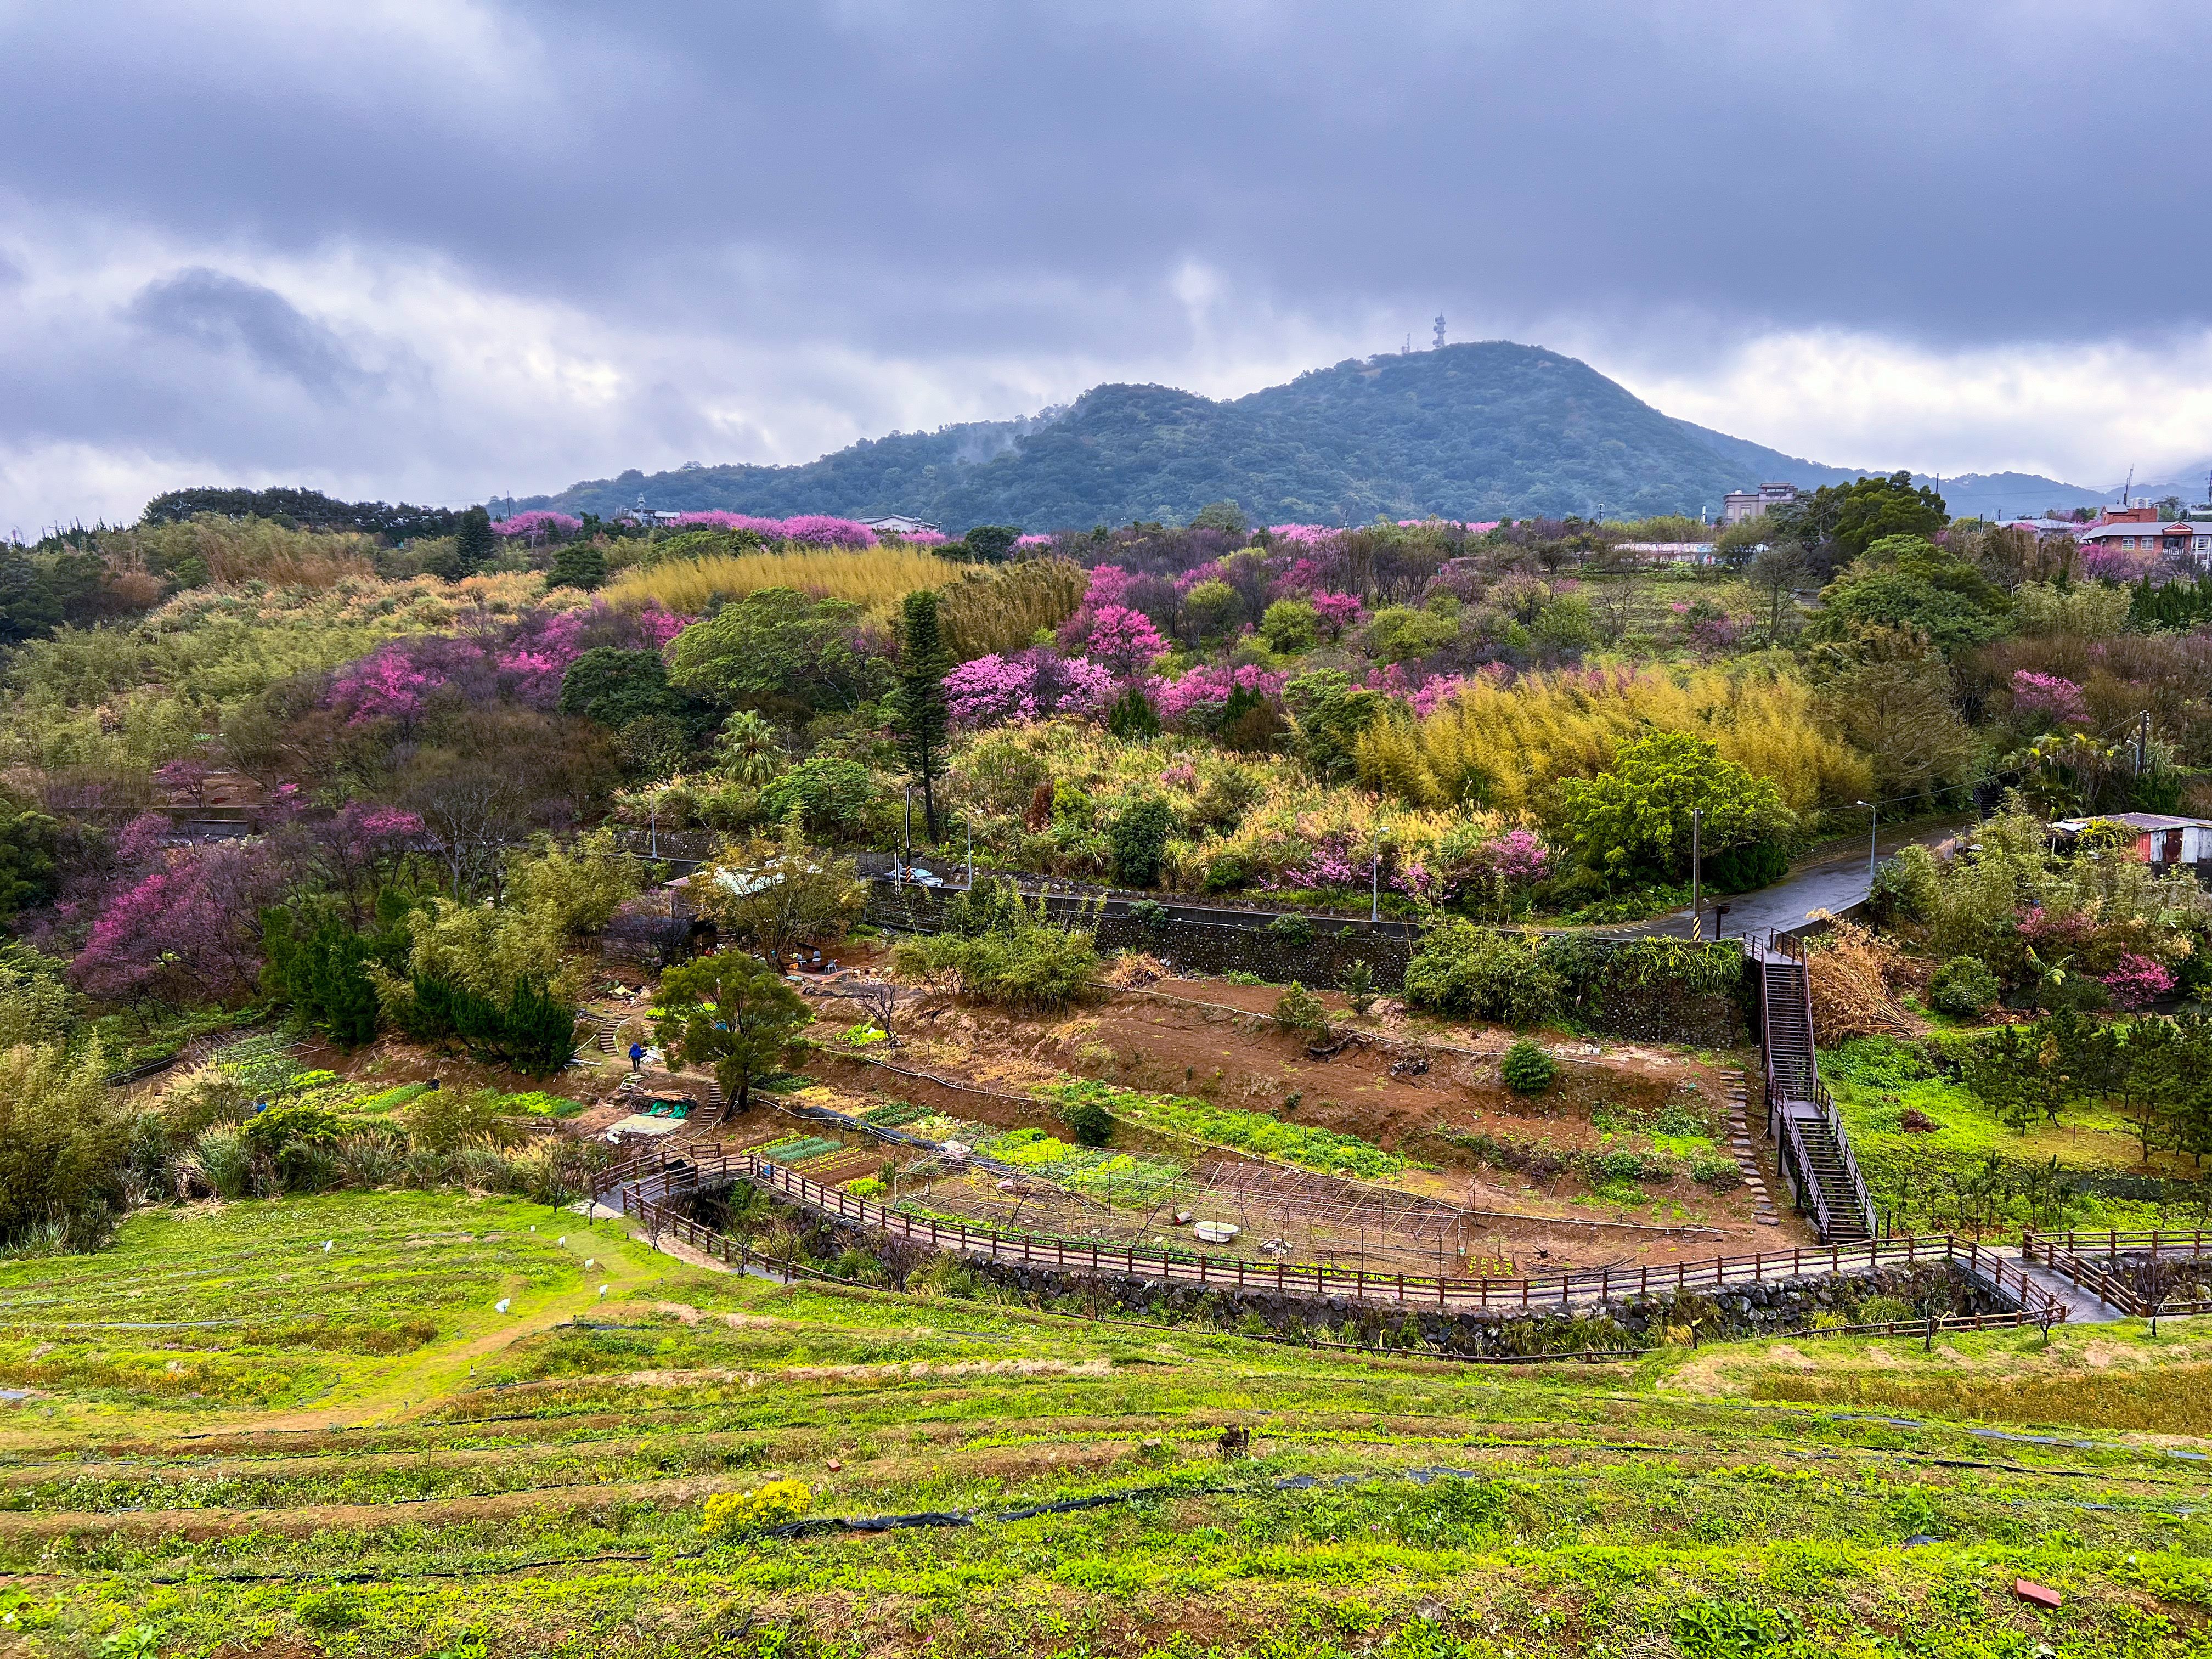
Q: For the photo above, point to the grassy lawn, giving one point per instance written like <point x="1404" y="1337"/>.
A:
<point x="2086" y="1171"/>
<point x="369" y="1458"/>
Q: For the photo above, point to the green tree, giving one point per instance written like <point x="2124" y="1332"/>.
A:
<point x="1329" y="713"/>
<point x="1140" y="838"/>
<point x="1636" y="817"/>
<point x="474" y="544"/>
<point x="578" y="564"/>
<point x="1999" y="1073"/>
<point x="1907" y="583"/>
<point x="920" y="714"/>
<point x="2145" y="1078"/>
<point x="774" y="895"/>
<point x="28" y="871"/>
<point x="1133" y="718"/>
<point x="615" y="687"/>
<point x="780" y="645"/>
<point x="992" y="542"/>
<point x="324" y="973"/>
<point x="1221" y="515"/>
<point x="830" y="794"/>
<point x="1290" y="626"/>
<point x="733" y="1014"/>
<point x="748" y="749"/>
<point x="1856" y="515"/>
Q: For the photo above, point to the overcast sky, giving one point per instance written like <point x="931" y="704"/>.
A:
<point x="434" y="250"/>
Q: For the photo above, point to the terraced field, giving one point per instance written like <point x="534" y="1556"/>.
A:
<point x="232" y="1439"/>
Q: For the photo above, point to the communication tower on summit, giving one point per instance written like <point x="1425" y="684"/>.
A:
<point x="1440" y="330"/>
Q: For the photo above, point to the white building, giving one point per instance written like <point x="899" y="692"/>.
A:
<point x="1740" y="504"/>
<point x="898" y="524"/>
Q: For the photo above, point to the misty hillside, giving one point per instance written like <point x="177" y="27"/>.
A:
<point x="1477" y="431"/>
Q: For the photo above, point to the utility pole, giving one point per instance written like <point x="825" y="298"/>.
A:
<point x="909" y="859"/>
<point x="1375" y="878"/>
<point x="1873" y="827"/>
<point x="2142" y="745"/>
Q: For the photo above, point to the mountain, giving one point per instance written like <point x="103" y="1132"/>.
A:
<point x="1479" y="431"/>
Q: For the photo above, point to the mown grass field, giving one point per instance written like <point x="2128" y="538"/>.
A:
<point x="366" y="1456"/>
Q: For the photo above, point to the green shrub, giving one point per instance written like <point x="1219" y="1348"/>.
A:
<point x="1299" y="1010"/>
<point x="830" y="794"/>
<point x="1965" y="987"/>
<point x="1908" y="884"/>
<point x="1716" y="1170"/>
<point x="1467" y="972"/>
<point x="1035" y="966"/>
<point x="1089" y="1122"/>
<point x="1295" y="932"/>
<point x="1148" y="914"/>
<point x="1528" y="1070"/>
<point x="1139" y="839"/>
<point x="1742" y="869"/>
<point x="1133" y="718"/>
<point x="1358" y="983"/>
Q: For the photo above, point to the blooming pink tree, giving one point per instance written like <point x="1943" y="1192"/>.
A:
<point x="2138" y="981"/>
<point x="538" y="526"/>
<point x="1035" y="684"/>
<point x="2049" y="696"/>
<point x="2118" y="564"/>
<point x="385" y="685"/>
<point x="187" y="934"/>
<point x="1201" y="695"/>
<point x="1519" y="855"/>
<point x="1124" y="640"/>
<point x="812" y="529"/>
<point x="1336" y="612"/>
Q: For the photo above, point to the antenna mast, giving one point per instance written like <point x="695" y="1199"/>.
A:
<point x="1440" y="330"/>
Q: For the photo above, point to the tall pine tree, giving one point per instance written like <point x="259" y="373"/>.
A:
<point x="473" y="543"/>
<point x="922" y="719"/>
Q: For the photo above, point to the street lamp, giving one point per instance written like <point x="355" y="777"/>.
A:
<point x="1375" y="897"/>
<point x="1697" y="869"/>
<point x="1873" y="827"/>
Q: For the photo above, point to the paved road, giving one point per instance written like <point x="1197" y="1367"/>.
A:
<point x="1833" y="884"/>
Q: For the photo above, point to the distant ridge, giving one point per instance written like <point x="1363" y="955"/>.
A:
<point x="1479" y="431"/>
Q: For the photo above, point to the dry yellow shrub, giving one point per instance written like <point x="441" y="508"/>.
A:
<point x="1505" y="746"/>
<point x="876" y="577"/>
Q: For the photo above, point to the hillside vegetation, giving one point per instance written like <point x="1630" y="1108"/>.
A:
<point x="1479" y="431"/>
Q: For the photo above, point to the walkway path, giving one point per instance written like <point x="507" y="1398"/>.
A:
<point x="1833" y="884"/>
<point x="2082" y="1307"/>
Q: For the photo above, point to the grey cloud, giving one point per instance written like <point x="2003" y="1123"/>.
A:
<point x="926" y="185"/>
<point x="225" y="314"/>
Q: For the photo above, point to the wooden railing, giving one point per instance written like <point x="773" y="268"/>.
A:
<point x="647" y="1181"/>
<point x="2074" y="1254"/>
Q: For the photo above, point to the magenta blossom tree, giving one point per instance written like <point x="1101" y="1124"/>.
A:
<point x="536" y="527"/>
<point x="1336" y="612"/>
<point x="2050" y="696"/>
<point x="1034" y="684"/>
<point x="188" y="934"/>
<point x="2138" y="981"/>
<point x="1124" y="640"/>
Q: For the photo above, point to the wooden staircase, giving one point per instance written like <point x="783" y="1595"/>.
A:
<point x="1801" y="1114"/>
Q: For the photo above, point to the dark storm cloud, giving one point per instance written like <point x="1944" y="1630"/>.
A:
<point x="225" y="314"/>
<point x="1877" y="165"/>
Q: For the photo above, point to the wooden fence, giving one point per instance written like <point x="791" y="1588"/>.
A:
<point x="2075" y="1255"/>
<point x="641" y="1186"/>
